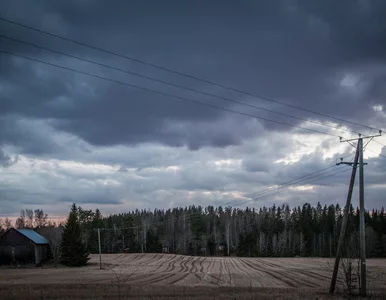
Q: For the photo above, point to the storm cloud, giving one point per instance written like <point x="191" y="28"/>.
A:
<point x="68" y="137"/>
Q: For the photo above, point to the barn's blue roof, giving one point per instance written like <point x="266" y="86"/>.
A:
<point x="33" y="236"/>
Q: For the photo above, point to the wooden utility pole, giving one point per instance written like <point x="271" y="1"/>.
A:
<point x="143" y="245"/>
<point x="362" y="235"/>
<point x="100" y="251"/>
<point x="344" y="222"/>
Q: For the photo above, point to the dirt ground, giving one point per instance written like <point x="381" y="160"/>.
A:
<point x="187" y="275"/>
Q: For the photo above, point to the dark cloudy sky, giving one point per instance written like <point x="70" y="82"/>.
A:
<point x="66" y="137"/>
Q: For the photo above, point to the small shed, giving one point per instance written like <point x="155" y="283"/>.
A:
<point x="23" y="246"/>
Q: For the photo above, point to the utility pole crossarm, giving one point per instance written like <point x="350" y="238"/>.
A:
<point x="348" y="163"/>
<point x="361" y="137"/>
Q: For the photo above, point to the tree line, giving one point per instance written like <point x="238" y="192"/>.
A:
<point x="309" y="231"/>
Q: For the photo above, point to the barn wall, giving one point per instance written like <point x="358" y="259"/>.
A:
<point x="16" y="248"/>
<point x="5" y="255"/>
<point x="40" y="253"/>
<point x="19" y="254"/>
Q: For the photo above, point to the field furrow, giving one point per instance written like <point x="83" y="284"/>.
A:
<point x="172" y="269"/>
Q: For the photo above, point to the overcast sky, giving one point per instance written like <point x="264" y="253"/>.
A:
<point x="67" y="137"/>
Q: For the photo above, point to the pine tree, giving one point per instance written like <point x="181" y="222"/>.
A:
<point x="153" y="245"/>
<point x="74" y="251"/>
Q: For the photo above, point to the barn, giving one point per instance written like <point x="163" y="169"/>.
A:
<point x="22" y="246"/>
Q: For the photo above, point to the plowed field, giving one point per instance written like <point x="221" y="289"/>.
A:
<point x="170" y="269"/>
<point x="218" y="271"/>
<point x="228" y="271"/>
<point x="176" y="272"/>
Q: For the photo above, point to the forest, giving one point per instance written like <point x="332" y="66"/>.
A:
<point x="307" y="231"/>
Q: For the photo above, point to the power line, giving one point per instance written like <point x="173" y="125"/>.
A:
<point x="368" y="142"/>
<point x="297" y="181"/>
<point x="300" y="184"/>
<point x="164" y="94"/>
<point x="288" y="182"/>
<point x="366" y="148"/>
<point x="237" y="203"/>
<point x="383" y="145"/>
<point x="171" y="84"/>
<point x="379" y="154"/>
<point x="180" y="73"/>
<point x="275" y="191"/>
<point x="323" y="171"/>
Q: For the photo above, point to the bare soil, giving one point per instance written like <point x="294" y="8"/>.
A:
<point x="157" y="276"/>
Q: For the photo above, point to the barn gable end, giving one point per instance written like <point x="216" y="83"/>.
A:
<point x="22" y="246"/>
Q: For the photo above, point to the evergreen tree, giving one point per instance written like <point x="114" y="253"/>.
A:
<point x="269" y="231"/>
<point x="74" y="251"/>
<point x="153" y="244"/>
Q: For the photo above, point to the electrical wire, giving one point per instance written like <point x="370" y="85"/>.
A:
<point x="238" y="203"/>
<point x="383" y="145"/>
<point x="254" y="195"/>
<point x="379" y="154"/>
<point x="322" y="171"/>
<point x="164" y="94"/>
<point x="179" y="73"/>
<point x="172" y="84"/>
<point x="290" y="183"/>
<point x="368" y="142"/>
<point x="286" y="188"/>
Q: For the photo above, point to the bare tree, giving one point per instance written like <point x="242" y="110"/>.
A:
<point x="29" y="221"/>
<point x="40" y="218"/>
<point x="20" y="222"/>
<point x="226" y="220"/>
<point x="55" y="241"/>
<point x="54" y="237"/>
<point x="349" y="275"/>
<point x="7" y="224"/>
<point x="1" y="225"/>
<point x="121" y="278"/>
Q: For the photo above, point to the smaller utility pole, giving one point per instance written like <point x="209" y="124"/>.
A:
<point x="100" y="251"/>
<point x="144" y="238"/>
